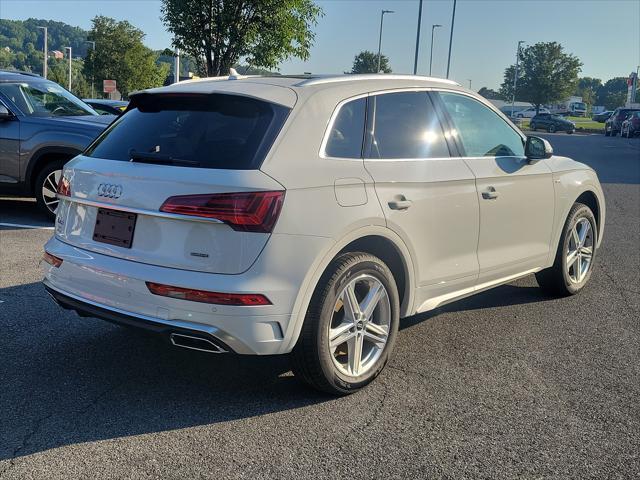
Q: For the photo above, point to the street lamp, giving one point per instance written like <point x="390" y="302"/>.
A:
<point x="93" y="65"/>
<point x="453" y="19"/>
<point x="415" y="61"/>
<point x="515" y="77"/>
<point x="46" y="52"/>
<point x="433" y="27"/>
<point x="380" y="39"/>
<point x="69" y="83"/>
<point x="469" y="83"/>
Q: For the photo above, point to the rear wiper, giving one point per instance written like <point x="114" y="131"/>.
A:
<point x="160" y="158"/>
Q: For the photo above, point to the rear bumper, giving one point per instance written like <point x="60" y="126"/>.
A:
<point x="115" y="289"/>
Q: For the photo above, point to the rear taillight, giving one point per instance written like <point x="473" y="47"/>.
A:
<point x="64" y="187"/>
<point x="245" y="211"/>
<point x="51" y="259"/>
<point x="203" y="296"/>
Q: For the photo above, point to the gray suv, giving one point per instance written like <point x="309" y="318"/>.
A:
<point x="42" y="126"/>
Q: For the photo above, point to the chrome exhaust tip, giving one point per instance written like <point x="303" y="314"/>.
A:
<point x="195" y="343"/>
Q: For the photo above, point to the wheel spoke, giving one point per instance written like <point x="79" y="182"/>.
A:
<point x="584" y="231"/>
<point x="339" y="335"/>
<point x="576" y="237"/>
<point x="355" y="354"/>
<point x="370" y="302"/>
<point x="351" y="305"/>
<point x="378" y="340"/>
<point x="50" y="203"/>
<point x="51" y="183"/>
<point x="46" y="193"/>
<point x="56" y="175"/>
<point x="571" y="258"/>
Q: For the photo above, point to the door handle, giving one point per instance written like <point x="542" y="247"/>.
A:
<point x="490" y="194"/>
<point x="399" y="204"/>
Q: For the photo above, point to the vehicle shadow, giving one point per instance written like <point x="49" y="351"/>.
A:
<point x="22" y="211"/>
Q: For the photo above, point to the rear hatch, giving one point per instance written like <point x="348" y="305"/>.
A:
<point x="175" y="182"/>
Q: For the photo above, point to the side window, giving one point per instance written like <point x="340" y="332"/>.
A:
<point x="482" y="132"/>
<point x="405" y="125"/>
<point x="347" y="132"/>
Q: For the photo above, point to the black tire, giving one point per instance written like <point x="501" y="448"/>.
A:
<point x="551" y="128"/>
<point x="570" y="132"/>
<point x="311" y="358"/>
<point x="532" y="126"/>
<point x="607" y="133"/>
<point x="557" y="279"/>
<point x="38" y="187"/>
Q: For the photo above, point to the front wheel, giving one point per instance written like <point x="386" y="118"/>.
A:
<point x="576" y="251"/>
<point x="350" y="327"/>
<point x="532" y="126"/>
<point x="46" y="187"/>
<point x="551" y="129"/>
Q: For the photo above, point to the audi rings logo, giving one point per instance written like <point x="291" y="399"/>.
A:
<point x="109" y="191"/>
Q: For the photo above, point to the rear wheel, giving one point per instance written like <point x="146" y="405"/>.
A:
<point x="532" y="126"/>
<point x="551" y="128"/>
<point x="350" y="327"/>
<point x="46" y="186"/>
<point x="576" y="251"/>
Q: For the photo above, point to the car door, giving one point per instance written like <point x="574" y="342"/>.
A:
<point x="516" y="198"/>
<point x="428" y="197"/>
<point x="9" y="149"/>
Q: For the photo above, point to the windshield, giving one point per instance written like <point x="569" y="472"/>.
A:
<point x="44" y="99"/>
<point x="579" y="106"/>
<point x="200" y="131"/>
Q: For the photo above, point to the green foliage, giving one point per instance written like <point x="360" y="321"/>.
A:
<point x="588" y="88"/>
<point x="613" y="93"/>
<point x="545" y="75"/>
<point x="120" y="55"/>
<point x="490" y="94"/>
<point x="367" y="62"/>
<point x="218" y="33"/>
<point x="59" y="73"/>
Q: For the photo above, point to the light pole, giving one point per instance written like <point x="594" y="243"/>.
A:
<point x="515" y="77"/>
<point x="453" y="19"/>
<point x="176" y="66"/>
<point x="93" y="65"/>
<point x="469" y="83"/>
<point x="415" y="61"/>
<point x="380" y="39"/>
<point x="46" y="52"/>
<point x="69" y="84"/>
<point x="433" y="27"/>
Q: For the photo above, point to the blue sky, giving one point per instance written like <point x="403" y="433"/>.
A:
<point x="604" y="34"/>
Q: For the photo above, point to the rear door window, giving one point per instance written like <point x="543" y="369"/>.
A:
<point x="202" y="131"/>
<point x="347" y="131"/>
<point x="405" y="126"/>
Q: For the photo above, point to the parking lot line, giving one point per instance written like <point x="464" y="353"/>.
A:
<point x="20" y="225"/>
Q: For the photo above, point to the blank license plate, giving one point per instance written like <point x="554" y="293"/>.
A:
<point x="115" y="227"/>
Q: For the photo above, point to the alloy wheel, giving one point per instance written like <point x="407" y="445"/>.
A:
<point x="49" y="190"/>
<point x="580" y="250"/>
<point x="360" y="325"/>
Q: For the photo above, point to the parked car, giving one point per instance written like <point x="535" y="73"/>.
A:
<point x="551" y="123"/>
<point x="602" y="116"/>
<point x="107" y="107"/>
<point x="42" y="126"/>
<point x="613" y="124"/>
<point x="631" y="126"/>
<point x="530" y="112"/>
<point x="275" y="215"/>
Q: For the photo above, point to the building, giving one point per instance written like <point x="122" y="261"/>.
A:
<point x="57" y="54"/>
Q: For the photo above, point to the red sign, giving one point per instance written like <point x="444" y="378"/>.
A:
<point x="108" y="86"/>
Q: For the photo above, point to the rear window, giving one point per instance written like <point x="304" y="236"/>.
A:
<point x="200" y="131"/>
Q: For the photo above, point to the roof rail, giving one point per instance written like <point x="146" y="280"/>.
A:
<point x="319" y="80"/>
<point x="18" y="72"/>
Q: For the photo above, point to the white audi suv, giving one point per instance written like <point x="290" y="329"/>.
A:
<point x="306" y="215"/>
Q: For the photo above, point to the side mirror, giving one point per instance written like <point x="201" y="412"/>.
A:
<point x="537" y="148"/>
<point x="4" y="113"/>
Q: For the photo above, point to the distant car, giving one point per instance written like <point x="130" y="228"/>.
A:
<point x="530" y="112"/>
<point x="106" y="107"/>
<point x="42" y="126"/>
<point x="631" y="126"/>
<point x="552" y="123"/>
<point x="613" y="125"/>
<point x="602" y="116"/>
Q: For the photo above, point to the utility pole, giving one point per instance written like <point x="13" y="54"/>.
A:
<point x="69" y="84"/>
<point x="453" y="19"/>
<point x="415" y="61"/>
<point x="176" y="66"/>
<point x="433" y="27"/>
<point x="469" y="83"/>
<point x="93" y="66"/>
<point x="380" y="39"/>
<point x="515" y="78"/>
<point x="46" y="52"/>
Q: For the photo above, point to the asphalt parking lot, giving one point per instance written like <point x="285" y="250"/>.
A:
<point x="508" y="384"/>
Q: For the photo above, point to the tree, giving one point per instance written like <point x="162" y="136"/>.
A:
<point x="490" y="94"/>
<point x="218" y="33"/>
<point x="59" y="73"/>
<point x="120" y="55"/>
<point x="613" y="93"/>
<point x="367" y="62"/>
<point x="545" y="75"/>
<point x="588" y="88"/>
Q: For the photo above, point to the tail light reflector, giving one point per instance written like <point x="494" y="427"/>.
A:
<point x="64" y="187"/>
<point x="203" y="296"/>
<point x="244" y="211"/>
<point x="52" y="259"/>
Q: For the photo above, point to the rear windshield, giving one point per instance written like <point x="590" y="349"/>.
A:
<point x="200" y="131"/>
